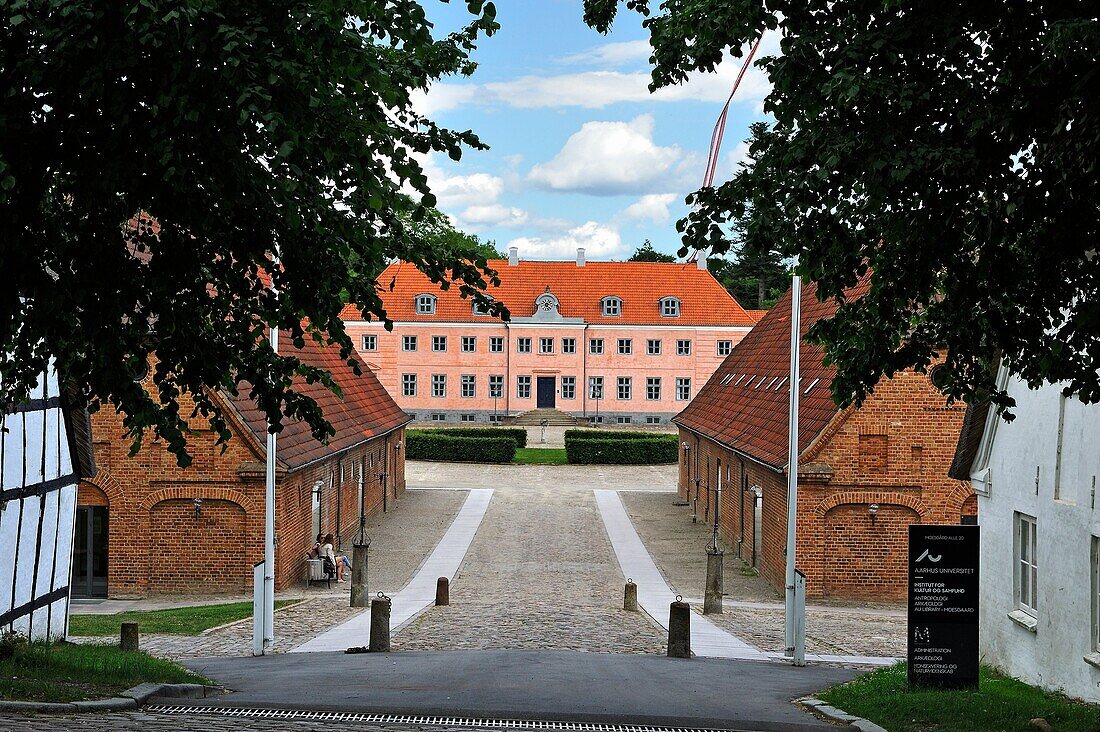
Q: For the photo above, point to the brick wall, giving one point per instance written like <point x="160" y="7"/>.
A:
<point x="893" y="451"/>
<point x="158" y="545"/>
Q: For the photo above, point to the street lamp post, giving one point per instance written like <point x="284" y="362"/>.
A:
<point x="793" y="613"/>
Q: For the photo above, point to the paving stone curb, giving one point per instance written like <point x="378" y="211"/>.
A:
<point x="832" y="714"/>
<point x="130" y="699"/>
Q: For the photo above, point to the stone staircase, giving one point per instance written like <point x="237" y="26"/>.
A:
<point x="535" y="417"/>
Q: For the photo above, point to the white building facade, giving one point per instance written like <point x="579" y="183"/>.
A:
<point x="38" y="484"/>
<point x="1036" y="478"/>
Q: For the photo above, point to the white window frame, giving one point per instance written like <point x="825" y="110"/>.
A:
<point x="724" y="348"/>
<point x="496" y="386"/>
<point x="369" y="342"/>
<point x="523" y="387"/>
<point x="468" y="380"/>
<point x="408" y="385"/>
<point x="683" y="388"/>
<point x="624" y="385"/>
<point x="626" y="346"/>
<point x="653" y="388"/>
<point x="407" y="341"/>
<point x="437" y="341"/>
<point x="546" y="345"/>
<point x="568" y="345"/>
<point x="670" y="307"/>
<point x="496" y="344"/>
<point x="439" y="386"/>
<point x="472" y="341"/>
<point x="683" y="347"/>
<point x="612" y="306"/>
<point x="425" y="304"/>
<point x="523" y="344"/>
<point x="653" y="346"/>
<point x="569" y="387"/>
<point x="595" y="387"/>
<point x="1025" y="565"/>
<point x="595" y="346"/>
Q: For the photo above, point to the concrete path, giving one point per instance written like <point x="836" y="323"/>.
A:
<point x="544" y="685"/>
<point x="419" y="594"/>
<point x="654" y="594"/>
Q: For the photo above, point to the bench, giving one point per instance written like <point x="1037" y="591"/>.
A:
<point x="315" y="572"/>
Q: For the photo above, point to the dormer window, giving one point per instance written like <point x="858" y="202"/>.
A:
<point x="480" y="309"/>
<point x="425" y="304"/>
<point x="612" y="307"/>
<point x="670" y="307"/>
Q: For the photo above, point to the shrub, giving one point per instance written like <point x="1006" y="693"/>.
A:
<point x="429" y="445"/>
<point x="598" y="434"/>
<point x="518" y="434"/>
<point x="653" y="449"/>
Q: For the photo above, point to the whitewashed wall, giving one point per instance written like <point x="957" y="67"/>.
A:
<point x="1056" y="653"/>
<point x="37" y="513"/>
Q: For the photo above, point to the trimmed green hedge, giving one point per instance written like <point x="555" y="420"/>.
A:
<point x="612" y="449"/>
<point x="598" y="434"/>
<point x="421" y="445"/>
<point x="518" y="434"/>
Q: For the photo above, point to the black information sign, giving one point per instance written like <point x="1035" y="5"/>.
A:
<point x="943" y="606"/>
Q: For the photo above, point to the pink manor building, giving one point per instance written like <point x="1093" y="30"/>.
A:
<point x="609" y="342"/>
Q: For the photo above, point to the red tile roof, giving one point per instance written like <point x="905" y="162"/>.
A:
<point x="365" y="411"/>
<point x="580" y="290"/>
<point x="745" y="404"/>
<point x="757" y="314"/>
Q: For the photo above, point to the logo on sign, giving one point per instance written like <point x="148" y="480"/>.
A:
<point x="928" y="555"/>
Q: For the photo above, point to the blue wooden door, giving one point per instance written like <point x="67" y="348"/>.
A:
<point x="546" y="392"/>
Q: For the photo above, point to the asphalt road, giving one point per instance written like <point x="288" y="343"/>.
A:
<point x="548" y="685"/>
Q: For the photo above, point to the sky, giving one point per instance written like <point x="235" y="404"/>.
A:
<point x="581" y="154"/>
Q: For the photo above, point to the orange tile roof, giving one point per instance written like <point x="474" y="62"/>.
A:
<point x="703" y="301"/>
<point x="745" y="404"/>
<point x="365" y="411"/>
<point x="757" y="314"/>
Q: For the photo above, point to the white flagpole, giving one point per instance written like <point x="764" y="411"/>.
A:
<point x="791" y="624"/>
<point x="269" y="526"/>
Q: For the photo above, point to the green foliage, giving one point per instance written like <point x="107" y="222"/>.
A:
<point x="208" y="139"/>
<point x="602" y="434"/>
<point x="646" y="253"/>
<point x="64" y="672"/>
<point x="177" y="620"/>
<point x="952" y="150"/>
<point x="421" y="445"/>
<point x="516" y="434"/>
<point x="1000" y="703"/>
<point x="589" y="447"/>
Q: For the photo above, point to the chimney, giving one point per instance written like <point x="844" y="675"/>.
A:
<point x="513" y="256"/>
<point x="701" y="261"/>
<point x="580" y="256"/>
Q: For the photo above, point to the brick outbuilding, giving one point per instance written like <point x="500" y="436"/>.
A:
<point x="865" y="473"/>
<point x="146" y="526"/>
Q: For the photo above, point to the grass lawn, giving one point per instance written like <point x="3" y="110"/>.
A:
<point x="64" y="672"/>
<point x="540" y="456"/>
<point x="181" y="620"/>
<point x="1000" y="703"/>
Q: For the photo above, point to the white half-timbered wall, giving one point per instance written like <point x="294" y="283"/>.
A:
<point x="37" y="515"/>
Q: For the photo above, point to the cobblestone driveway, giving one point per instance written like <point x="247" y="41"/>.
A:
<point x="400" y="541"/>
<point x="540" y="574"/>
<point x="753" y="608"/>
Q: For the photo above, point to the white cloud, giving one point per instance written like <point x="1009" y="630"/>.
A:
<point x="598" y="240"/>
<point x="738" y="155"/>
<point x="597" y="89"/>
<point x="493" y="214"/>
<point x="611" y="54"/>
<point x="652" y="207"/>
<point x="611" y="158"/>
